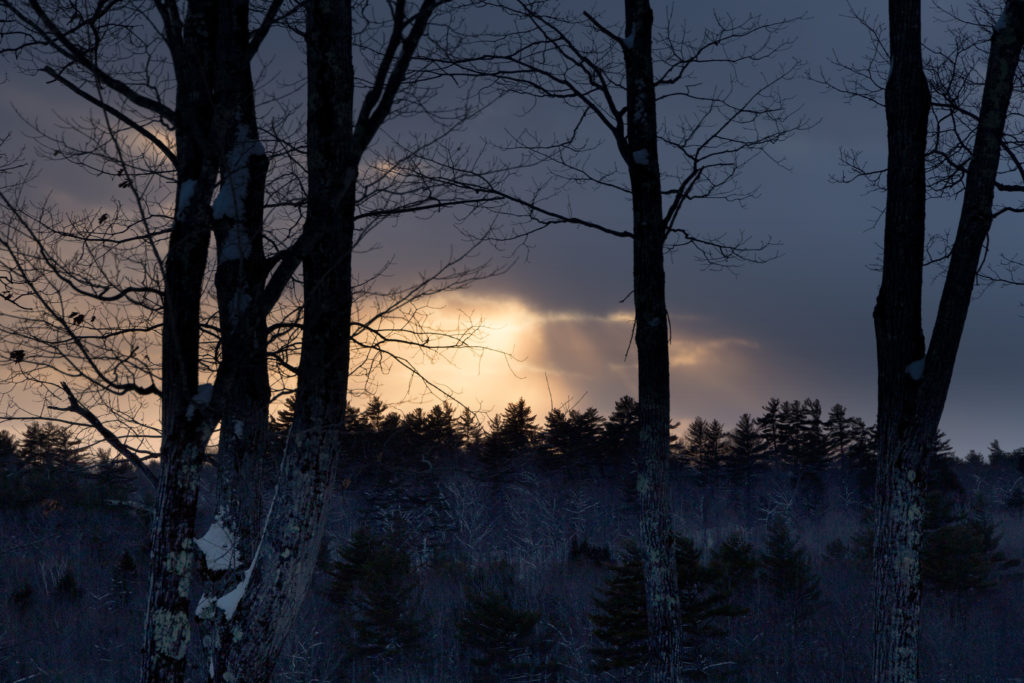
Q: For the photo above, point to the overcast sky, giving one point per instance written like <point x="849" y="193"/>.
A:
<point x="799" y="326"/>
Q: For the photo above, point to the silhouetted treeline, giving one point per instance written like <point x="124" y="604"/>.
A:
<point x="504" y="550"/>
<point x="794" y="435"/>
<point x="49" y="463"/>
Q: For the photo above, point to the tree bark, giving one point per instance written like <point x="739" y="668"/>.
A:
<point x="185" y="423"/>
<point x="242" y="379"/>
<point x="651" y="315"/>
<point x="286" y="557"/>
<point x="913" y="384"/>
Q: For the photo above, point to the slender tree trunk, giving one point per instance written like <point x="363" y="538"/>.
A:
<point x="185" y="426"/>
<point x="243" y="383"/>
<point x="656" y="539"/>
<point x="912" y="384"/>
<point x="243" y="387"/>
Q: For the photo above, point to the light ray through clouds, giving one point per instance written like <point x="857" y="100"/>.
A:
<point x="575" y="359"/>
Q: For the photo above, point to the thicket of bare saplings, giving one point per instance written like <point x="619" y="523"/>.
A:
<point x="505" y="551"/>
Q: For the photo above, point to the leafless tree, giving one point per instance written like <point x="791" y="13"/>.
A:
<point x="661" y="117"/>
<point x="128" y="61"/>
<point x="952" y="135"/>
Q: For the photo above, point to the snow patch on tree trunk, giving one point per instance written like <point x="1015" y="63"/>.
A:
<point x="916" y="369"/>
<point x="230" y="201"/>
<point x="218" y="546"/>
<point x="186" y="189"/>
<point x="236" y="244"/>
<point x="202" y="399"/>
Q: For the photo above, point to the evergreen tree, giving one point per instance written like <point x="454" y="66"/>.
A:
<point x="704" y="598"/>
<point x="374" y="413"/>
<point x="374" y="583"/>
<point x="622" y="430"/>
<point x="439" y="430"/>
<point x="350" y="566"/>
<point x="694" y="439"/>
<point x="620" y="621"/>
<point x="810" y="451"/>
<point x="387" y="618"/>
<point x="734" y="563"/>
<point x="414" y="427"/>
<point x="468" y="428"/>
<point x="1014" y="500"/>
<point x="587" y="427"/>
<point x="960" y="551"/>
<point x="744" y="453"/>
<point x="745" y="446"/>
<point x="8" y="453"/>
<point x="787" y="570"/>
<point x="790" y="431"/>
<point x="355" y="421"/>
<point x="557" y="436"/>
<point x="838" y="433"/>
<point x="114" y="478"/>
<point x="500" y="635"/>
<point x="769" y="426"/>
<point x="282" y="422"/>
<point x="704" y="442"/>
<point x="52" y="449"/>
<point x="52" y="462"/>
<point x="514" y="432"/>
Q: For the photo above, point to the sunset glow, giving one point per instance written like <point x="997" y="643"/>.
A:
<point x="555" y="358"/>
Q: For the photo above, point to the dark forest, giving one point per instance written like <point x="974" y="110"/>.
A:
<point x="505" y="551"/>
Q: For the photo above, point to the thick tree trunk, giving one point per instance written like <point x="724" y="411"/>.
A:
<point x="899" y="343"/>
<point x="912" y="385"/>
<point x="243" y="387"/>
<point x="656" y="539"/>
<point x="285" y="559"/>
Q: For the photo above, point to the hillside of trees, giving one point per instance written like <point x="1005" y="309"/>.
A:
<point x="458" y="550"/>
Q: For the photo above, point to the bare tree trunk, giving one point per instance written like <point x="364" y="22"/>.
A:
<point x="649" y="233"/>
<point x="900" y="342"/>
<point x="286" y="557"/>
<point x="912" y="384"/>
<point x="184" y="420"/>
<point x="243" y="383"/>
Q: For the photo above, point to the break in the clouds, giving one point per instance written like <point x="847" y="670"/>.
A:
<point x="567" y="358"/>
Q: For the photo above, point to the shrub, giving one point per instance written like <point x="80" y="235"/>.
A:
<point x="583" y="551"/>
<point x="20" y="598"/>
<point x="67" y="585"/>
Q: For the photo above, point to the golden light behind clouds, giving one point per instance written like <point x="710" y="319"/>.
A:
<point x="571" y="358"/>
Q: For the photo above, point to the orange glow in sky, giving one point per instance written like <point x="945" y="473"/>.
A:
<point x="570" y="359"/>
